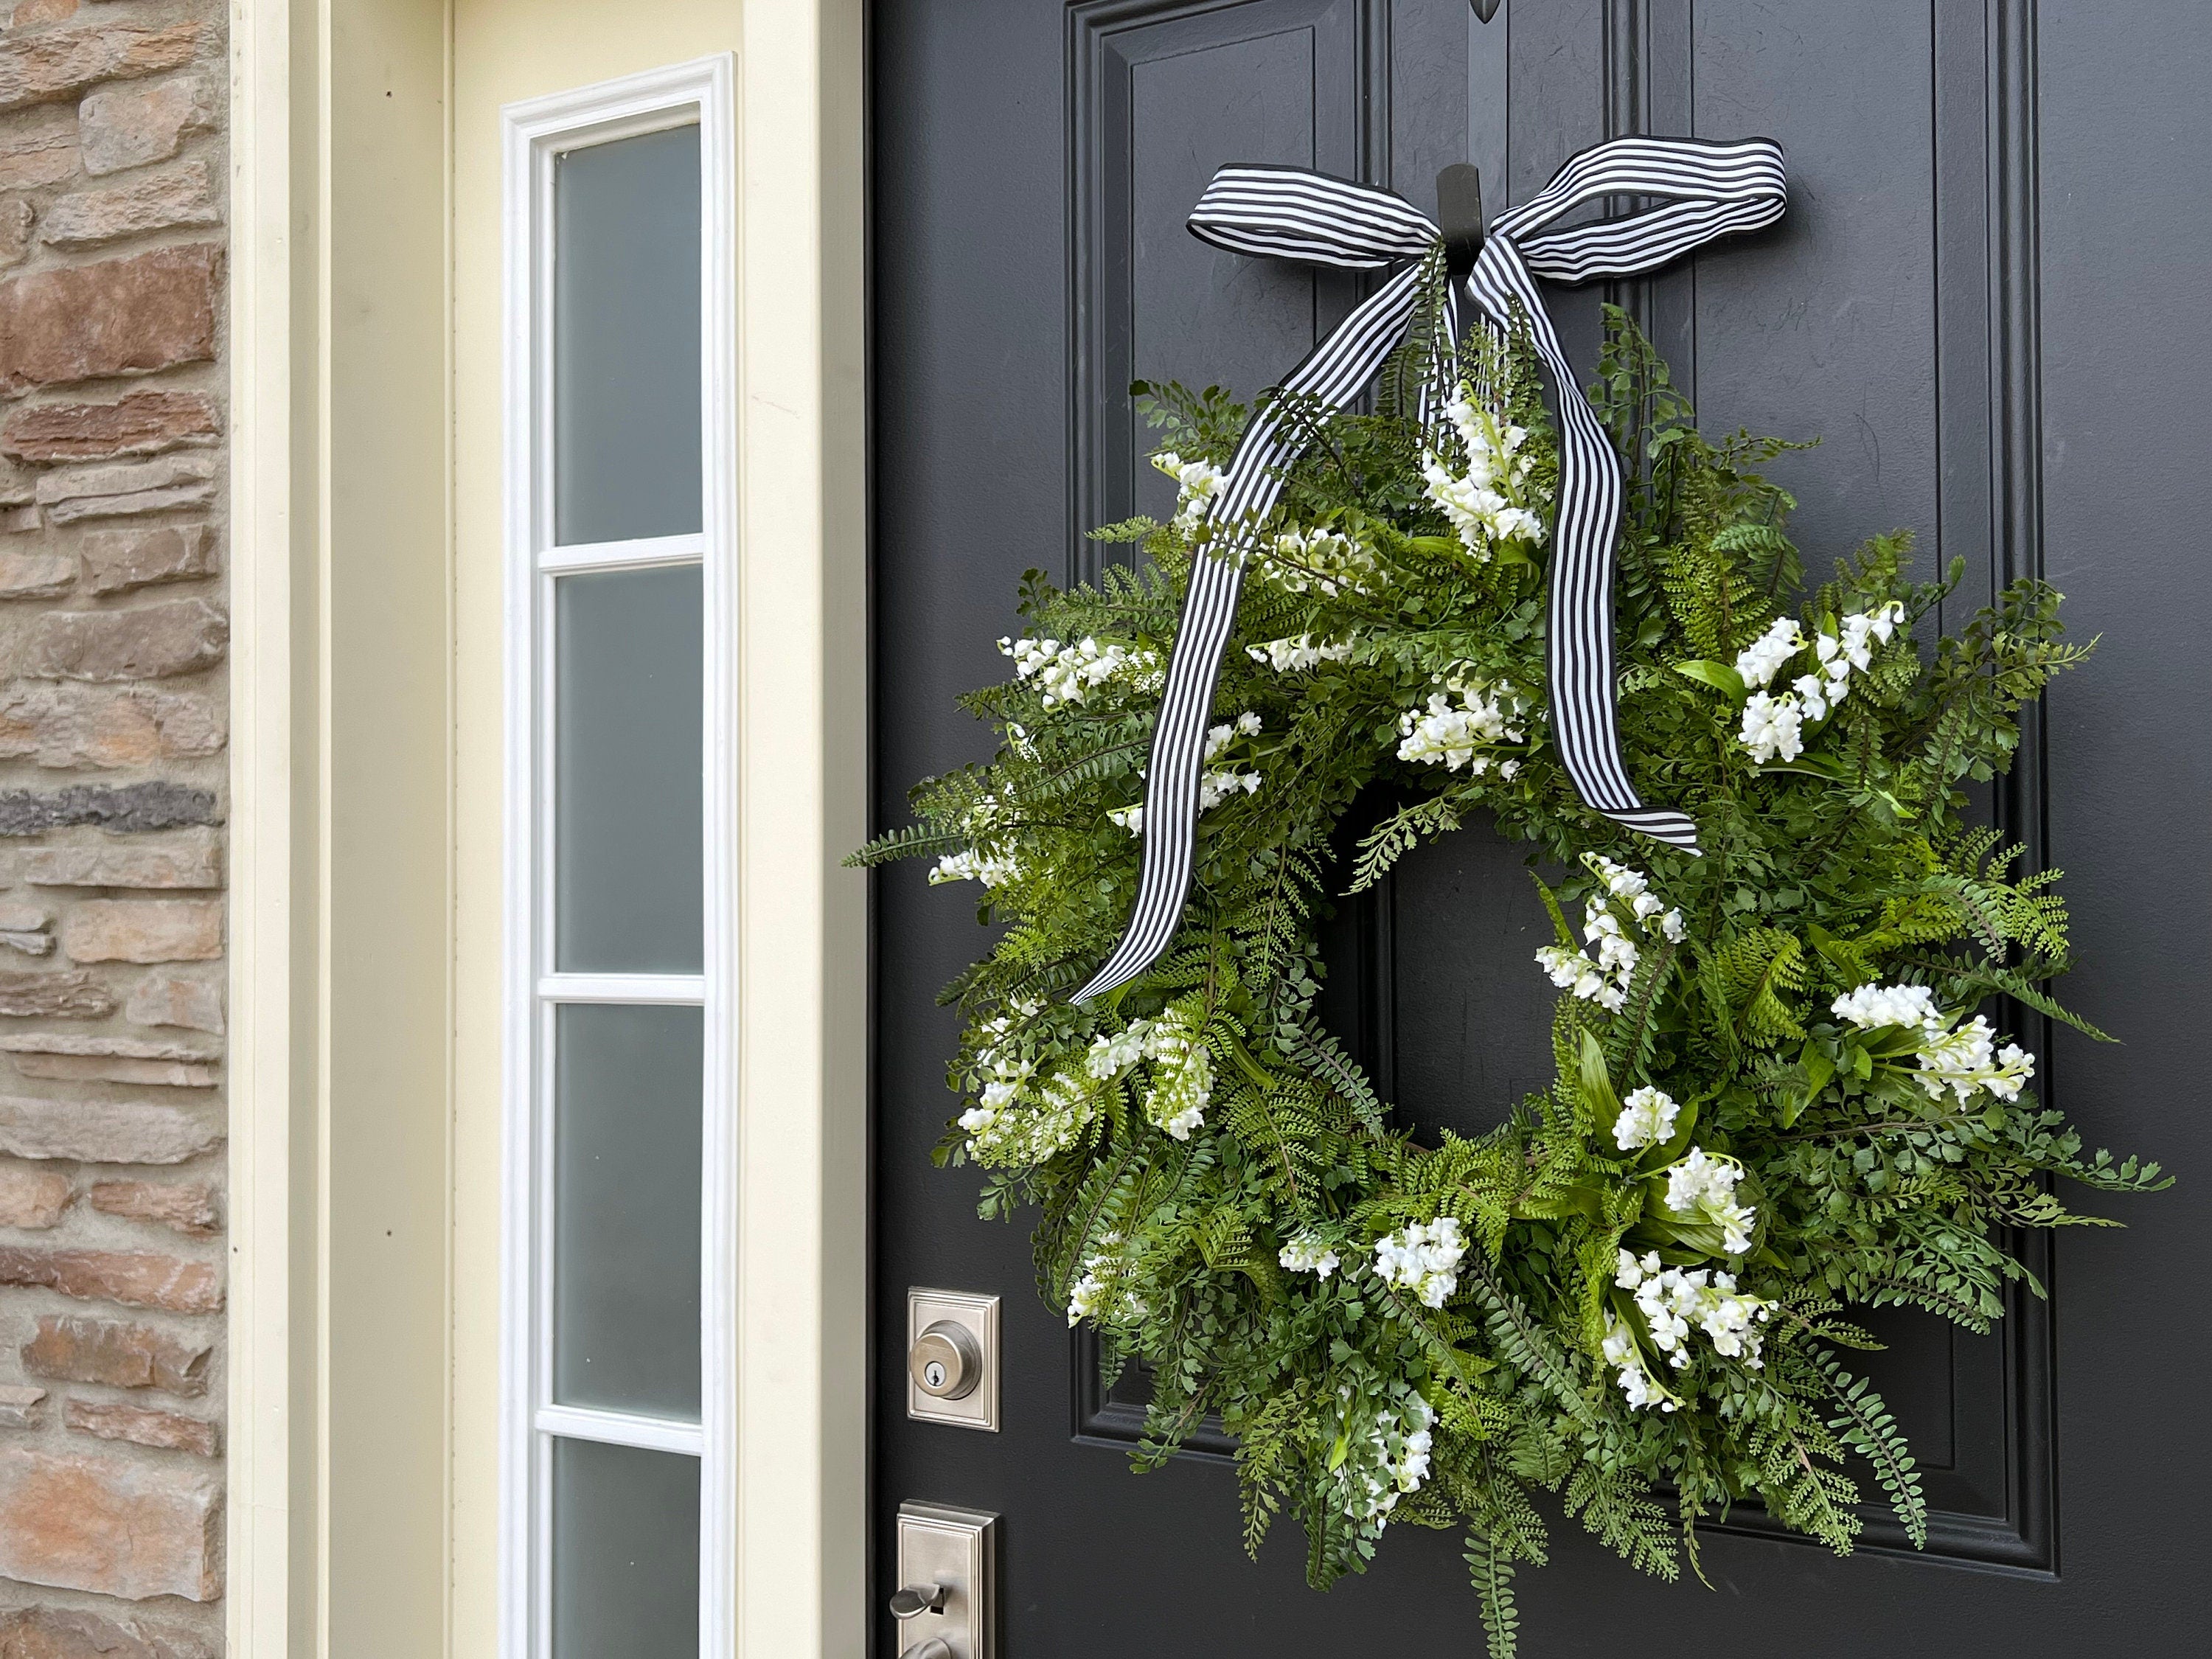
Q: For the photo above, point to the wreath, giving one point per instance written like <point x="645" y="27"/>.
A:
<point x="1776" y="1098"/>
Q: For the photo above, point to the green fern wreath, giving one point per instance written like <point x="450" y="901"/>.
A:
<point x="1774" y="1097"/>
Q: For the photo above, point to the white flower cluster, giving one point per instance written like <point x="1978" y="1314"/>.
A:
<point x="1605" y="981"/>
<point x="1647" y="1118"/>
<point x="1960" y="1058"/>
<point x="1452" y="735"/>
<point x="1066" y="674"/>
<point x="1308" y="1253"/>
<point x="991" y="869"/>
<point x="1103" y="1292"/>
<point x="1774" y="724"/>
<point x="1423" y="1259"/>
<point x="1320" y="561"/>
<point x="1183" y="1075"/>
<point x="1702" y="1188"/>
<point x="1674" y="1302"/>
<point x="1197" y="483"/>
<point x="1488" y="503"/>
<point x="1214" y="785"/>
<point x="1012" y="1124"/>
<point x="1296" y="656"/>
<point x="1385" y="1463"/>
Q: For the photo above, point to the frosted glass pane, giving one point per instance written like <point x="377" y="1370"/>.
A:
<point x="626" y="1196"/>
<point x="629" y="704"/>
<point x="625" y="1552"/>
<point x="626" y="446"/>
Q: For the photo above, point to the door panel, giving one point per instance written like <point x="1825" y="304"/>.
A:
<point x="1033" y="167"/>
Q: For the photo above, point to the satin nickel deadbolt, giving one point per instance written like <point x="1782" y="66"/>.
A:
<point x="952" y="1358"/>
<point x="949" y="1609"/>
<point x="945" y="1362"/>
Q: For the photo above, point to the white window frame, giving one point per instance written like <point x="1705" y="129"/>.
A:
<point x="533" y="133"/>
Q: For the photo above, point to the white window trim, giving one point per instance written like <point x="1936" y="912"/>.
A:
<point x="532" y="134"/>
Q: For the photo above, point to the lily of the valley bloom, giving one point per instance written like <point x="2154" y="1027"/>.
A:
<point x="1308" y="1253"/>
<point x="1675" y="1303"/>
<point x="1390" y="1460"/>
<point x="1182" y="1074"/>
<point x="1216" y="784"/>
<point x="1490" y="503"/>
<point x="991" y="869"/>
<point x="1320" y="562"/>
<point x="1963" y="1058"/>
<point x="1647" y="1119"/>
<point x="1066" y="672"/>
<point x="1454" y="734"/>
<point x="1425" y="1260"/>
<point x="1605" y="981"/>
<point x="1702" y="1188"/>
<point x="1102" y="1293"/>
<point x="1197" y="483"/>
<point x="1774" y="722"/>
<point x="1296" y="656"/>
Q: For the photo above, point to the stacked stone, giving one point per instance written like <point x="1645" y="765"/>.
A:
<point x="113" y="696"/>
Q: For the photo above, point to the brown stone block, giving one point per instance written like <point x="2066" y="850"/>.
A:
<point x="180" y="196"/>
<point x="16" y="218"/>
<point x="118" y="560"/>
<point x="143" y="930"/>
<point x="78" y="724"/>
<point x="142" y="1426"/>
<point x="138" y="1278"/>
<point x="187" y="1207"/>
<point x="192" y="858"/>
<point x="119" y="489"/>
<point x="38" y="68"/>
<point x="172" y="1000"/>
<point x="129" y="316"/>
<point x="38" y="148"/>
<point x="67" y="1633"/>
<point x="33" y="1198"/>
<point x="143" y="423"/>
<point x="58" y="995"/>
<point x="128" y="125"/>
<point x="19" y="1409"/>
<point x="35" y="574"/>
<point x="149" y="642"/>
<point x="103" y="1131"/>
<point x="91" y="1523"/>
<point x="78" y="1348"/>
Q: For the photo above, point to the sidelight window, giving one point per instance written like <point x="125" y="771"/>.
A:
<point x="618" y="1293"/>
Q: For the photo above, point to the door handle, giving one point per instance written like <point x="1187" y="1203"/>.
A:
<point x="917" y="1599"/>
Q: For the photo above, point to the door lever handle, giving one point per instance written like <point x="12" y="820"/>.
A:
<point x="917" y="1599"/>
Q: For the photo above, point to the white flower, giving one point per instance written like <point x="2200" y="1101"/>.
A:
<point x="1704" y="1187"/>
<point x="1197" y="484"/>
<point x="991" y="870"/>
<point x="1490" y="503"/>
<point x="1871" y="1006"/>
<point x="1113" y="1053"/>
<point x="1606" y="981"/>
<point x="1307" y="1254"/>
<point x="1674" y="1303"/>
<point x="1320" y="561"/>
<point x="1182" y="1074"/>
<point x="1762" y="660"/>
<point x="1131" y="818"/>
<point x="1386" y="1458"/>
<point x="1102" y="1293"/>
<point x="1773" y="728"/>
<point x="1452" y="734"/>
<point x="1647" y="1117"/>
<point x="1015" y="1127"/>
<point x="1066" y="673"/>
<point x="1294" y="656"/>
<point x="1425" y="1260"/>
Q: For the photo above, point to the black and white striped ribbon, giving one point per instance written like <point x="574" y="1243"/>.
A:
<point x="1704" y="191"/>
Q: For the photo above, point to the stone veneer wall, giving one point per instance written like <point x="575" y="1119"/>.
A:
<point x="113" y="726"/>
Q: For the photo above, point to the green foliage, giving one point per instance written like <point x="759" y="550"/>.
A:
<point x="1612" y="1304"/>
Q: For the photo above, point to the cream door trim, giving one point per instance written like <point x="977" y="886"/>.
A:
<point x="341" y="130"/>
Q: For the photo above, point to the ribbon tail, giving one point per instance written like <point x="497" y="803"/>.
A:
<point x="1332" y="375"/>
<point x="1578" y="642"/>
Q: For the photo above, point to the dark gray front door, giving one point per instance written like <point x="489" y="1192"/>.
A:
<point x="1987" y="299"/>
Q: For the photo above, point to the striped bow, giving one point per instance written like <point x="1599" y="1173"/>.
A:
<point x="1704" y="191"/>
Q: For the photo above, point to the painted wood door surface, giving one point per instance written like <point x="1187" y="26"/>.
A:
<point x="1982" y="302"/>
